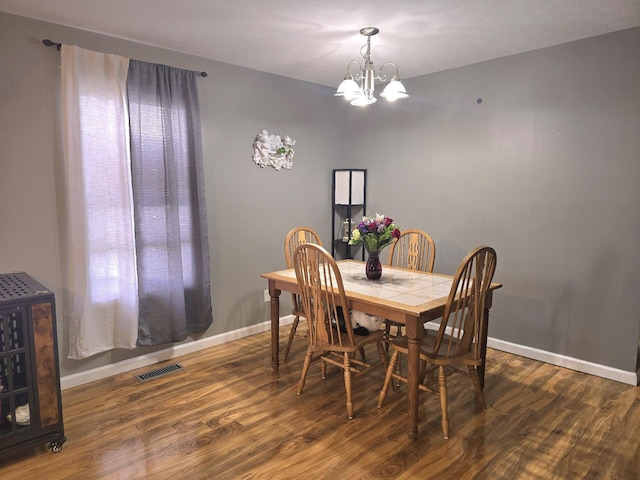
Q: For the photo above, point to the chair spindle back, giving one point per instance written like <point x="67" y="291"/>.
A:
<point x="415" y="249"/>
<point x="462" y="323"/>
<point x="322" y="297"/>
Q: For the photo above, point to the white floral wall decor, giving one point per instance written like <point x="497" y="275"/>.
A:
<point x="273" y="151"/>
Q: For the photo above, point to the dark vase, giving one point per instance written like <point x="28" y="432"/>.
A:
<point x="373" y="268"/>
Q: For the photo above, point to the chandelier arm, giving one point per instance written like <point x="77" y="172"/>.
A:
<point x="349" y="67"/>
<point x="385" y="77"/>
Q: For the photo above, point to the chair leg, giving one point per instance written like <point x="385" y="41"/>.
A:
<point x="427" y="374"/>
<point x="473" y="373"/>
<point x="387" y="336"/>
<point x="387" y="378"/>
<point x="292" y="334"/>
<point x="384" y="361"/>
<point x="442" y="382"/>
<point x="347" y="384"/>
<point x="398" y="371"/>
<point x="305" y="369"/>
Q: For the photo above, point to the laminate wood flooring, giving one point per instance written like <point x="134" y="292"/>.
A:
<point x="226" y="415"/>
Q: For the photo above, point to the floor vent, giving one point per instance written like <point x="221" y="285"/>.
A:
<point x="143" y="377"/>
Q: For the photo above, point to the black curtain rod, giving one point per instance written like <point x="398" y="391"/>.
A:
<point x="58" y="46"/>
<point x="49" y="43"/>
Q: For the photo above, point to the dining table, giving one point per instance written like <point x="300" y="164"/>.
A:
<point x="405" y="296"/>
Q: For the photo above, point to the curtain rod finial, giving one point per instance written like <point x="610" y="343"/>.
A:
<point x="49" y="43"/>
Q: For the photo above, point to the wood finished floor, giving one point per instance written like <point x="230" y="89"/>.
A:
<point x="227" y="416"/>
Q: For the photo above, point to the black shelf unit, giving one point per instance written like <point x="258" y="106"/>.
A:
<point x="349" y="205"/>
<point x="30" y="399"/>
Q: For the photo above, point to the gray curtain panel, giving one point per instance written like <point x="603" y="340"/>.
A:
<point x="169" y="206"/>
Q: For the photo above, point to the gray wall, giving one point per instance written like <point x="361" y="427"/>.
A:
<point x="250" y="209"/>
<point x="546" y="169"/>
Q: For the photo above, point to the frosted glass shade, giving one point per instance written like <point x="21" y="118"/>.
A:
<point x="348" y="88"/>
<point x="394" y="91"/>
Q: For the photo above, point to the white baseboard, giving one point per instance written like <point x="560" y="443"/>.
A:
<point x="76" y="379"/>
<point x="630" y="378"/>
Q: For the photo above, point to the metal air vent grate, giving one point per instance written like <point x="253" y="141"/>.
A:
<point x="143" y="377"/>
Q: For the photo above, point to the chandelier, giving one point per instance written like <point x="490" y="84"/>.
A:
<point x="358" y="89"/>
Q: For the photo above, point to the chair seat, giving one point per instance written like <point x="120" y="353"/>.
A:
<point x="360" y="341"/>
<point x="427" y="345"/>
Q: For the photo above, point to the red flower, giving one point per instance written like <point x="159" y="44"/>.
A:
<point x="395" y="233"/>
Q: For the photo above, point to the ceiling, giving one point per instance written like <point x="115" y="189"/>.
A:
<point x="314" y="40"/>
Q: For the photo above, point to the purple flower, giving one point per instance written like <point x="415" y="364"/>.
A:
<point x="375" y="232"/>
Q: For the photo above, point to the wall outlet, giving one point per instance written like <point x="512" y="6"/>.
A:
<point x="267" y="297"/>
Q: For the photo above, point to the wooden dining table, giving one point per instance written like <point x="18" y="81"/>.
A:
<point x="409" y="297"/>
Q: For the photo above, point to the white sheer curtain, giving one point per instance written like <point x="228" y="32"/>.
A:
<point x="103" y="279"/>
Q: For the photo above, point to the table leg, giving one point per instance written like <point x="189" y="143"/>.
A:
<point x="483" y="338"/>
<point x="275" y="326"/>
<point x="415" y="331"/>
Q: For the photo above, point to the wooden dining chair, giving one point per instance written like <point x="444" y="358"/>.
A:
<point x="457" y="345"/>
<point x="294" y="238"/>
<point x="415" y="250"/>
<point x="332" y="339"/>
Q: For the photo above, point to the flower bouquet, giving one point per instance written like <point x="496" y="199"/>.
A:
<point x="374" y="233"/>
